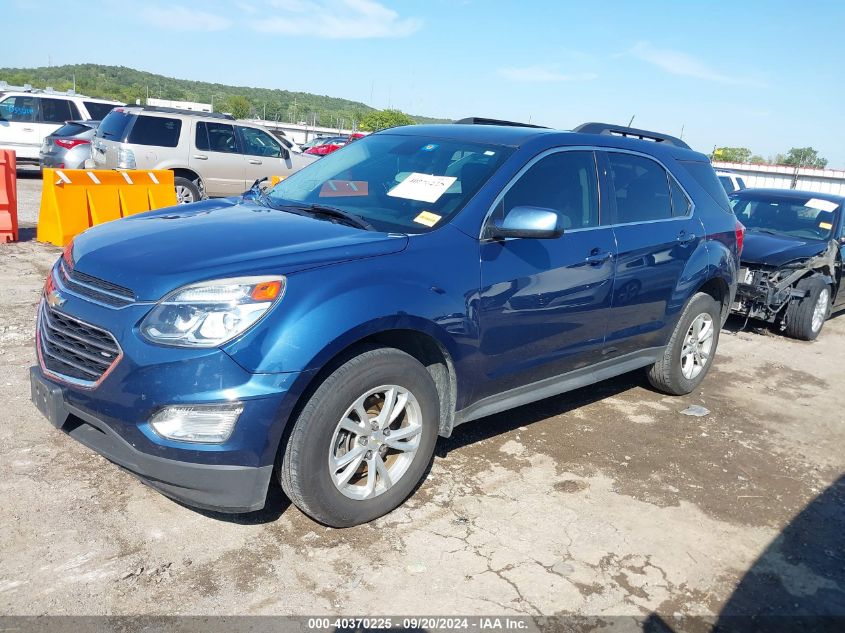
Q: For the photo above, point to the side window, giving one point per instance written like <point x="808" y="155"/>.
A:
<point x="98" y="111"/>
<point x="680" y="203"/>
<point x="641" y="188"/>
<point x="258" y="143"/>
<point x="563" y="181"/>
<point x="57" y="110"/>
<point x="216" y="137"/>
<point x="152" y="130"/>
<point x="18" y="109"/>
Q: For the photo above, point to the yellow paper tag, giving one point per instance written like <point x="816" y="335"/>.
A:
<point x="825" y="225"/>
<point x="427" y="218"/>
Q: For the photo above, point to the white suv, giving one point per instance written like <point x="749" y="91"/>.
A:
<point x="211" y="155"/>
<point x="28" y="117"/>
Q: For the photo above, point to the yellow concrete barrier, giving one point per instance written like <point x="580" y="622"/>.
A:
<point x="73" y="200"/>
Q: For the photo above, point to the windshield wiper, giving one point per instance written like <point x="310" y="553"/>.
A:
<point x="762" y="230"/>
<point x="357" y="221"/>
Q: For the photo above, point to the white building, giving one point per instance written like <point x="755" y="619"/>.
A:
<point x="181" y="105"/>
<point x="788" y="177"/>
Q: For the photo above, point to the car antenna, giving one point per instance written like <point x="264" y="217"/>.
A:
<point x="632" y="120"/>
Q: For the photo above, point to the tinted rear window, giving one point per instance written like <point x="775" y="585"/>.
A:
<point x="706" y="177"/>
<point x="57" y="110"/>
<point x="98" y="110"/>
<point x="71" y="129"/>
<point x="159" y="131"/>
<point x="114" y="125"/>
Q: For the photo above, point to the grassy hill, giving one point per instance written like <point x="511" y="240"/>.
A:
<point x="127" y="85"/>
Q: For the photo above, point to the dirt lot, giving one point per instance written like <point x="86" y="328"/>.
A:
<point x="606" y="501"/>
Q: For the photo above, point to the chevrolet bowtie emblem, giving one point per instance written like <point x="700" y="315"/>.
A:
<point x="55" y="299"/>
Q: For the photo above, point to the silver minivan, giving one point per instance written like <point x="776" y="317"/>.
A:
<point x="211" y="154"/>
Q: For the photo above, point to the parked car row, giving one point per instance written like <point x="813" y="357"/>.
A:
<point x="27" y="118"/>
<point x="210" y="154"/>
<point x="328" y="331"/>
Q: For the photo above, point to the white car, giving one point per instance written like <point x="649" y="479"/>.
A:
<point x="28" y="117"/>
<point x="730" y="181"/>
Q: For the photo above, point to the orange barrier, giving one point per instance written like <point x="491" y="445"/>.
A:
<point x="73" y="200"/>
<point x="8" y="197"/>
<point x="275" y="180"/>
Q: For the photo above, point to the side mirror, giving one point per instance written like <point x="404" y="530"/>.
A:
<point x="527" y="222"/>
<point x="284" y="154"/>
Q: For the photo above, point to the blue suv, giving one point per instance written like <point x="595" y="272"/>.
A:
<point x="326" y="332"/>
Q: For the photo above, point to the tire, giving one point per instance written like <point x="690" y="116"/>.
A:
<point x="305" y="473"/>
<point x="674" y="373"/>
<point x="187" y="191"/>
<point x="805" y="317"/>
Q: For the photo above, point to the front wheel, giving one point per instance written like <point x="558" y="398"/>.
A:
<point x="806" y="316"/>
<point x="690" y="351"/>
<point x="363" y="441"/>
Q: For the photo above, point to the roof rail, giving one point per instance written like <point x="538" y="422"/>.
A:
<point x="213" y="115"/>
<point x="6" y="87"/>
<point x="621" y="130"/>
<point x="477" y="120"/>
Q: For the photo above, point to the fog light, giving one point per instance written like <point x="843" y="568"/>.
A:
<point x="208" y="423"/>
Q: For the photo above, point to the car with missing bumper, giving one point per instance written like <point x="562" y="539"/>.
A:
<point x="325" y="333"/>
<point x="791" y="268"/>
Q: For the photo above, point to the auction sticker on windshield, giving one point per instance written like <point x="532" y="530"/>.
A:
<point x="422" y="187"/>
<point x="821" y="205"/>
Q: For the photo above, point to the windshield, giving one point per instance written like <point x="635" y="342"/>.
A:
<point x="812" y="218"/>
<point x="396" y="183"/>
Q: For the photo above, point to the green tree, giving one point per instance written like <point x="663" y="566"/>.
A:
<point x="804" y="157"/>
<point x="238" y="106"/>
<point x="379" y="120"/>
<point x="758" y="160"/>
<point x="732" y="154"/>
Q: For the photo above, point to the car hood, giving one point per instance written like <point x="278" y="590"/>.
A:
<point x="154" y="253"/>
<point x="777" y="250"/>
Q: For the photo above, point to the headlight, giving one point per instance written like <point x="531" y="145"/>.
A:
<point x="210" y="313"/>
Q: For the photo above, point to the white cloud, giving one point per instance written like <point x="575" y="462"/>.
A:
<point x="541" y="74"/>
<point x="335" y="19"/>
<point x="679" y="63"/>
<point x="183" y="19"/>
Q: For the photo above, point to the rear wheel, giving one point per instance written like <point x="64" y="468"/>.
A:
<point x="805" y="317"/>
<point x="690" y="351"/>
<point x="363" y="441"/>
<point x="186" y="190"/>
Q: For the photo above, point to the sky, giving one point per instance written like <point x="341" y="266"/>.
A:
<point x="767" y="75"/>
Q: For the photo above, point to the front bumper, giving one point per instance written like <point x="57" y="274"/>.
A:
<point x="219" y="487"/>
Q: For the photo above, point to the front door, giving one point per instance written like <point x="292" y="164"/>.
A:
<point x="263" y="155"/>
<point x="544" y="303"/>
<point x="656" y="234"/>
<point x="216" y="158"/>
<point x="18" y="130"/>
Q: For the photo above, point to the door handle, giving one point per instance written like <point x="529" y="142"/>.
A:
<point x="596" y="258"/>
<point x="685" y="238"/>
<point x="29" y="129"/>
<point x="252" y="161"/>
<point x="200" y="157"/>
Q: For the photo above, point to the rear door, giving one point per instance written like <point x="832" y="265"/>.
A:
<point x="53" y="112"/>
<point x="656" y="233"/>
<point x="544" y="303"/>
<point x="217" y="158"/>
<point x="18" y="131"/>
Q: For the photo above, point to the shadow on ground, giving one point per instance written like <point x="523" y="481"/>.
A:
<point x="797" y="584"/>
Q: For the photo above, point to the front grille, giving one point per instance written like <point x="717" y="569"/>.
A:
<point x="94" y="288"/>
<point x="74" y="349"/>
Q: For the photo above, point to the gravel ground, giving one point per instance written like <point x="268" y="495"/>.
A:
<point x="605" y="501"/>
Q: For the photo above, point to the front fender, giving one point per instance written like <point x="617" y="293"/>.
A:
<point x="325" y="310"/>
